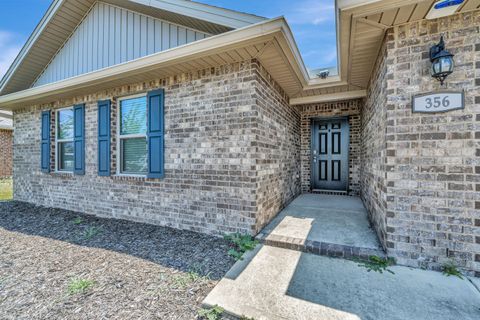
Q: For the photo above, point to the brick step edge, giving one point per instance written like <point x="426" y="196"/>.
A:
<point x="320" y="248"/>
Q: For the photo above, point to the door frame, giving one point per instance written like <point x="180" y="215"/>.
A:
<point x="312" y="123"/>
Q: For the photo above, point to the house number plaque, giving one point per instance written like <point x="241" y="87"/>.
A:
<point x="438" y="102"/>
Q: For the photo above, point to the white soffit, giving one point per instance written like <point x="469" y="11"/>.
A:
<point x="63" y="16"/>
<point x="268" y="41"/>
<point x="363" y="25"/>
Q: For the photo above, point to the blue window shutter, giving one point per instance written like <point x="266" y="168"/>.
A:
<point x="45" y="144"/>
<point x="79" y="139"/>
<point x="104" y="138"/>
<point x="155" y="134"/>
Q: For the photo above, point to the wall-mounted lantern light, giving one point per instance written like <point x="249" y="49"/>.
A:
<point x="442" y="61"/>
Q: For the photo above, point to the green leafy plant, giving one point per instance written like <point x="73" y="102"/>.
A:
<point x="78" y="220"/>
<point x="450" y="269"/>
<point x="246" y="318"/>
<point x="79" y="286"/>
<point x="91" y="232"/>
<point x="377" y="264"/>
<point x="214" y="313"/>
<point x="241" y="244"/>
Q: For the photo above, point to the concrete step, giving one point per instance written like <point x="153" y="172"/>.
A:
<point x="319" y="247"/>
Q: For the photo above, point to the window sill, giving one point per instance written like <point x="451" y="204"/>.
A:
<point x="62" y="174"/>
<point x="67" y="173"/>
<point x="134" y="177"/>
<point x="129" y="177"/>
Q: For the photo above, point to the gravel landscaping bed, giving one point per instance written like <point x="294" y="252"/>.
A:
<point x="56" y="264"/>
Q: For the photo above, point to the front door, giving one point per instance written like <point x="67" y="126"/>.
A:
<point x="330" y="144"/>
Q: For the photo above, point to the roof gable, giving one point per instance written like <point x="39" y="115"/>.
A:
<point x="63" y="17"/>
<point x="111" y="35"/>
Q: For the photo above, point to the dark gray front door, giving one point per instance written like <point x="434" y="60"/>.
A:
<point x="330" y="144"/>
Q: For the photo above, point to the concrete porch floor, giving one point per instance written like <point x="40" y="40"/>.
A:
<point x="281" y="279"/>
<point x="275" y="283"/>
<point x="336" y="223"/>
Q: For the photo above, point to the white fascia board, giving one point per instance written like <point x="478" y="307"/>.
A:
<point x="221" y="16"/>
<point x="318" y="83"/>
<point x="331" y="97"/>
<point x="175" y="55"/>
<point x="6" y="115"/>
<point x="296" y="60"/>
<point x="350" y="4"/>
<point x="56" y="4"/>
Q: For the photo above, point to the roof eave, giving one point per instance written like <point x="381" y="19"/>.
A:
<point x="52" y="9"/>
<point x="223" y="41"/>
<point x="202" y="11"/>
<point x="224" y="17"/>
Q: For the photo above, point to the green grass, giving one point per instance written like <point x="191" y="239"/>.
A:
<point x="6" y="189"/>
<point x="76" y="286"/>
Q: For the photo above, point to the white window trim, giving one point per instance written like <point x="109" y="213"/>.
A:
<point x="127" y="136"/>
<point x="57" y="141"/>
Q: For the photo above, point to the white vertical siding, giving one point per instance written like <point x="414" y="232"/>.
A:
<point x="111" y="35"/>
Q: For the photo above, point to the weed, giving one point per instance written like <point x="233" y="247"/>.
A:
<point x="184" y="280"/>
<point x="91" y="232"/>
<point x="78" y="220"/>
<point x="449" y="269"/>
<point x="246" y="318"/>
<point x="235" y="254"/>
<point x="214" y="313"/>
<point x="378" y="264"/>
<point x="200" y="269"/>
<point x="241" y="244"/>
<point x="79" y="286"/>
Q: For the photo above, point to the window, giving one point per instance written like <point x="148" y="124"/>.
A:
<point x="132" y="136"/>
<point x="64" y="140"/>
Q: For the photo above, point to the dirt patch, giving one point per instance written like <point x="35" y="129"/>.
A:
<point x="56" y="264"/>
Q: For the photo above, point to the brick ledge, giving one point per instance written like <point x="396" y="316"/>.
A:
<point x="320" y="248"/>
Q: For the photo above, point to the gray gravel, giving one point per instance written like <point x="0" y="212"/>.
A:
<point x="139" y="271"/>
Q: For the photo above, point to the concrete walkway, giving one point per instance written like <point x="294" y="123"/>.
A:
<point x="324" y="219"/>
<point x="274" y="283"/>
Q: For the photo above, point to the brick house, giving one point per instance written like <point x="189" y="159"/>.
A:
<point x="6" y="145"/>
<point x="237" y="127"/>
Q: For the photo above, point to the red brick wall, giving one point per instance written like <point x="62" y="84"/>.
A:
<point x="6" y="153"/>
